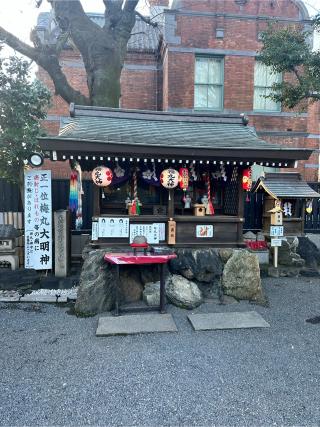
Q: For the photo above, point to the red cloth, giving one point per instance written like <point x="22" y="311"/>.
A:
<point x="129" y="259"/>
<point x="256" y="245"/>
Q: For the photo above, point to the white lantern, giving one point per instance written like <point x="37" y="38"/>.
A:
<point x="169" y="178"/>
<point x="102" y="176"/>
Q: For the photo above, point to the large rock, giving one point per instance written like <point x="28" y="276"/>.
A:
<point x="311" y="255"/>
<point x="151" y="293"/>
<point x="183" y="292"/>
<point x="225" y="254"/>
<point x="203" y="265"/>
<point x="287" y="254"/>
<point x="96" y="292"/>
<point x="97" y="283"/>
<point x="130" y="285"/>
<point x="241" y="277"/>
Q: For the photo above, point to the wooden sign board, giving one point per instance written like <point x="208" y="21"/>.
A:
<point x="276" y="218"/>
<point x="276" y="230"/>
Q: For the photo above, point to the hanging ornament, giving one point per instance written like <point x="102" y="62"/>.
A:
<point x="183" y="178"/>
<point x="149" y="175"/>
<point x="187" y="201"/>
<point x="76" y="192"/>
<point x="223" y="172"/>
<point x="135" y="207"/>
<point x="193" y="174"/>
<point x="246" y="179"/>
<point x="209" y="208"/>
<point x="216" y="174"/>
<point x="102" y="176"/>
<point x="247" y="182"/>
<point x="118" y="171"/>
<point x="169" y="178"/>
<point x="309" y="206"/>
<point x="73" y="194"/>
<point x="287" y="208"/>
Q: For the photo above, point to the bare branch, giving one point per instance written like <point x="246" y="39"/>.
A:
<point x="147" y="20"/>
<point x="48" y="60"/>
<point x="18" y="45"/>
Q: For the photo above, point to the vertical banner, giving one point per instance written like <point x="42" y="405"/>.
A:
<point x="38" y="219"/>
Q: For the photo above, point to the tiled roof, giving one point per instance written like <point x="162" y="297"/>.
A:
<point x="285" y="185"/>
<point x="162" y="129"/>
<point x="145" y="38"/>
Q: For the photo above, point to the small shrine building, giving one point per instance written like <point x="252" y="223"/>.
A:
<point x="176" y="178"/>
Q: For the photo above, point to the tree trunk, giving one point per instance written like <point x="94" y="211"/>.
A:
<point x="104" y="81"/>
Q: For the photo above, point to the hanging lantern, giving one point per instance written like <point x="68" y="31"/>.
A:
<point x="309" y="206"/>
<point x="169" y="178"/>
<point x="102" y="176"/>
<point x="246" y="179"/>
<point x="184" y="178"/>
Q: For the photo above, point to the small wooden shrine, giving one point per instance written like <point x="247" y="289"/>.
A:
<point x="286" y="199"/>
<point x="175" y="178"/>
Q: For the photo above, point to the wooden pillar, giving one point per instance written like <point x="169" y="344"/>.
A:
<point x="171" y="203"/>
<point x="96" y="200"/>
<point x="240" y="208"/>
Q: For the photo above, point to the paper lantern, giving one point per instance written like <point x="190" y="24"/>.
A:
<point x="183" y="178"/>
<point x="169" y="178"/>
<point x="102" y="176"/>
<point x="309" y="207"/>
<point x="246" y="180"/>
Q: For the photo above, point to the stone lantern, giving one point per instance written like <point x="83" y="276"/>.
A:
<point x="8" y="253"/>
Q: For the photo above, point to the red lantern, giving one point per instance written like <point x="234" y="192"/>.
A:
<point x="184" y="178"/>
<point x="246" y="180"/>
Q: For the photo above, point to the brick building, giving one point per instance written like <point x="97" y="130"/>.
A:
<point x="202" y="57"/>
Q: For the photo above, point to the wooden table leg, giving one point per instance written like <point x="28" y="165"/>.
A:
<point x="117" y="289"/>
<point x="162" y="290"/>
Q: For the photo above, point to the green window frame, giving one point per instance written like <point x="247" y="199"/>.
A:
<point x="209" y="83"/>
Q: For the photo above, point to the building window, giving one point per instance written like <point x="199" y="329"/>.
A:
<point x="264" y="78"/>
<point x="208" y="87"/>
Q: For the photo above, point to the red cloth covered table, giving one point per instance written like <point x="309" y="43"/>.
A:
<point x="126" y="258"/>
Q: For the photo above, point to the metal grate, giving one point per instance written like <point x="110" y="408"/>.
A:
<point x="232" y="194"/>
<point x="5" y="264"/>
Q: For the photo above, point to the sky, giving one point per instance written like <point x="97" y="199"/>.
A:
<point x="19" y="16"/>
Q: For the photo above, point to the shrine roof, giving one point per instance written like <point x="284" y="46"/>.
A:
<point x="285" y="185"/>
<point x="137" y="131"/>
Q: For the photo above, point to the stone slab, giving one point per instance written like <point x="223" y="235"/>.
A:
<point x="135" y="324"/>
<point x="42" y="298"/>
<point x="235" y="320"/>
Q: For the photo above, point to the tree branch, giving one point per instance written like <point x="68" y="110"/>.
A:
<point x="147" y="20"/>
<point x="17" y="44"/>
<point x="49" y="61"/>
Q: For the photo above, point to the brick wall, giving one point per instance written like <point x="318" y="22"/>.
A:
<point x="166" y="81"/>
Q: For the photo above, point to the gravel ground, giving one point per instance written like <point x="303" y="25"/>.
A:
<point x="54" y="371"/>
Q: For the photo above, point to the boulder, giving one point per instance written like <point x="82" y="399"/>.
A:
<point x="311" y="255"/>
<point x="287" y="254"/>
<point x="96" y="292"/>
<point x="203" y="265"/>
<point x="241" y="277"/>
<point x="225" y="254"/>
<point x="151" y="293"/>
<point x="249" y="236"/>
<point x="97" y="282"/>
<point x="183" y="292"/>
<point x="131" y="287"/>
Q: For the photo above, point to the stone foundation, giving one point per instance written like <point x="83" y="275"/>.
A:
<point x="195" y="275"/>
